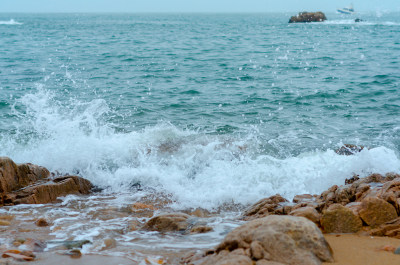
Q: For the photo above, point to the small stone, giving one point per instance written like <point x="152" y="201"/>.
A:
<point x="41" y="222"/>
<point x="74" y="253"/>
<point x="168" y="222"/>
<point x="308" y="212"/>
<point x="388" y="248"/>
<point x="397" y="251"/>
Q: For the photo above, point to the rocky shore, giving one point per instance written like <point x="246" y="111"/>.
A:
<point x="310" y="229"/>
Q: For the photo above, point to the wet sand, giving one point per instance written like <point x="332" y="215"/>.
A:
<point x="350" y="249"/>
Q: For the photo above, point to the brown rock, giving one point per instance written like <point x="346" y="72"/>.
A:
<point x="308" y="212"/>
<point x="50" y="191"/>
<point x="391" y="229"/>
<point x="168" y="222"/>
<point x="339" y="219"/>
<point x="374" y="211"/>
<point x="263" y="207"/>
<point x="304" y="17"/>
<point x="28" y="183"/>
<point x="200" y="229"/>
<point x="226" y="258"/>
<point x="303" y="198"/>
<point x="41" y="222"/>
<point x="286" y="239"/>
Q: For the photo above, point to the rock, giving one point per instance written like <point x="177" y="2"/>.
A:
<point x="50" y="191"/>
<point x="285" y="239"/>
<point x="109" y="243"/>
<point x="199" y="212"/>
<point x="74" y="253"/>
<point x="304" y="17"/>
<point x="374" y="211"/>
<point x="263" y="207"/>
<point x="303" y="198"/>
<point x="340" y="219"/>
<point x="349" y="149"/>
<point x="68" y="244"/>
<point x="358" y="20"/>
<point x="142" y="210"/>
<point x="168" y="222"/>
<point x="4" y="223"/>
<point x="28" y="183"/>
<point x="200" y="229"/>
<point x="390" y="229"/>
<point x="397" y="251"/>
<point x="41" y="222"/>
<point x="308" y="212"/>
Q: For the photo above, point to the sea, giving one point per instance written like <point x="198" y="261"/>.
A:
<point x="210" y="111"/>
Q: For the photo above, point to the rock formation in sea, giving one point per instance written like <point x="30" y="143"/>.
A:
<point x="305" y="17"/>
<point x="32" y="184"/>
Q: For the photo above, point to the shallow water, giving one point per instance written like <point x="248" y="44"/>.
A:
<point x="206" y="110"/>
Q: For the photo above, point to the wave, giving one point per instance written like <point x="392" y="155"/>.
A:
<point x="361" y="23"/>
<point x="10" y="22"/>
<point x="194" y="169"/>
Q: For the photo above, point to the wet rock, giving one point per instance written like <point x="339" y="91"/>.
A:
<point x="142" y="210"/>
<point x="14" y="177"/>
<point x="263" y="207"/>
<point x="4" y="223"/>
<point x="28" y="183"/>
<point x="168" y="222"/>
<point x="50" y="191"/>
<point x="358" y="20"/>
<point x="284" y="239"/>
<point x="109" y="243"/>
<point x="308" y="212"/>
<point x="200" y="229"/>
<point x="33" y="244"/>
<point x="304" y="17"/>
<point x="70" y="244"/>
<point x="340" y="219"/>
<point x="349" y="149"/>
<point x="199" y="212"/>
<point x="74" y="253"/>
<point x="374" y="211"/>
<point x="41" y="222"/>
<point x="18" y="255"/>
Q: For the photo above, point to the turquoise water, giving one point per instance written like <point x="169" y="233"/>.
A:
<point x="182" y="102"/>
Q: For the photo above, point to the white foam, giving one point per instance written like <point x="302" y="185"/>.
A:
<point x="195" y="169"/>
<point x="361" y="23"/>
<point x="10" y="22"/>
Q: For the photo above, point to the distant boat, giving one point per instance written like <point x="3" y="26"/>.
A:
<point x="346" y="10"/>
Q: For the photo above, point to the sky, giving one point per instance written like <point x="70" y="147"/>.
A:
<point x="220" y="6"/>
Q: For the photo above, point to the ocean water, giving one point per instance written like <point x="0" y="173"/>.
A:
<point x="206" y="109"/>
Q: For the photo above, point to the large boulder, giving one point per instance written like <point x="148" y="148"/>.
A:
<point x="374" y="211"/>
<point x="30" y="184"/>
<point x="340" y="219"/>
<point x="304" y="17"/>
<point x="280" y="239"/>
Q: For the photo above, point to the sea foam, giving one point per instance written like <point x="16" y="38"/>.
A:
<point x="10" y="22"/>
<point x="193" y="168"/>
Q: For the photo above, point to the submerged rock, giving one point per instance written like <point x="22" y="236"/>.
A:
<point x="279" y="239"/>
<point x="304" y="17"/>
<point x="349" y="149"/>
<point x="168" y="222"/>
